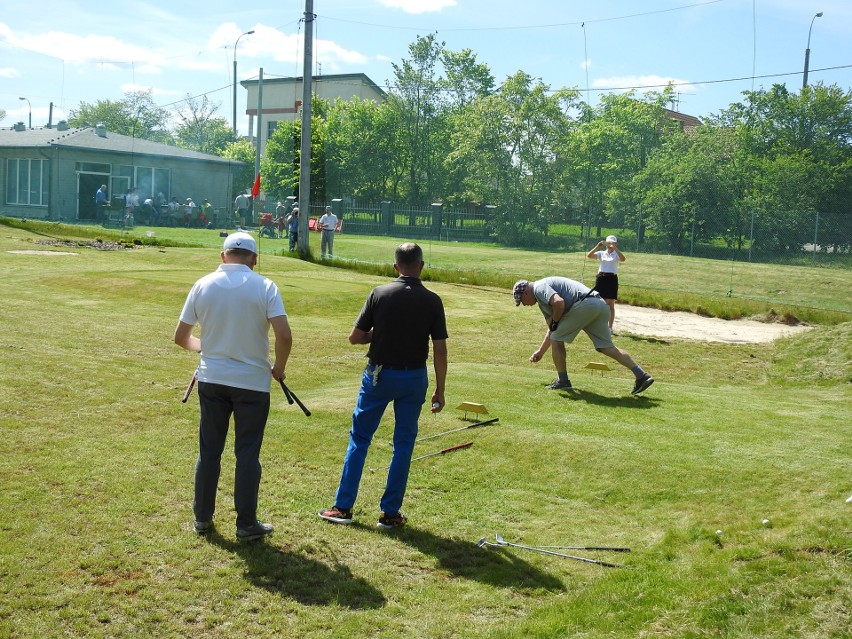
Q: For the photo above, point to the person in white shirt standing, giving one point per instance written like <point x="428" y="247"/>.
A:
<point x="327" y="224"/>
<point x="606" y="282"/>
<point x="235" y="308"/>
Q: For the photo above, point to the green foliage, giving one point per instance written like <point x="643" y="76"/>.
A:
<point x="200" y="129"/>
<point x="242" y="151"/>
<point x="135" y="115"/>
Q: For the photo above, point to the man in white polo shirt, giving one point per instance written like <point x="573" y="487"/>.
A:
<point x="235" y="308"/>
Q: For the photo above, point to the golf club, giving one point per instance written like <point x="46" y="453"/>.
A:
<point x="291" y="397"/>
<point x="503" y="542"/>
<point x="455" y="430"/>
<point x="439" y="452"/>
<point x="608" y="548"/>
<point x="189" y="389"/>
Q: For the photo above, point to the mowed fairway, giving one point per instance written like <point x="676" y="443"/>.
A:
<point x="97" y="456"/>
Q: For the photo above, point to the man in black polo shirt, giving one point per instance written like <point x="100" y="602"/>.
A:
<point x="397" y="321"/>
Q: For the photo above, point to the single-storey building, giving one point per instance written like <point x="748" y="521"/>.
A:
<point x="54" y="172"/>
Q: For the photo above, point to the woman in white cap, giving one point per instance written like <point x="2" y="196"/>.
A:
<point x="606" y="282"/>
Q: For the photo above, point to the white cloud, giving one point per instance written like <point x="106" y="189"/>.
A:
<point x="419" y="6"/>
<point x="268" y="42"/>
<point x="641" y="83"/>
<point x="9" y="72"/>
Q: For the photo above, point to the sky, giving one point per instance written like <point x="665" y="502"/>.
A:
<point x="66" y="52"/>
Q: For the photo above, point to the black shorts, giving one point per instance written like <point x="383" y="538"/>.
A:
<point x="606" y="284"/>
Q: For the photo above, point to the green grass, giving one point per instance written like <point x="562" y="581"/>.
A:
<point x="729" y="290"/>
<point x="97" y="453"/>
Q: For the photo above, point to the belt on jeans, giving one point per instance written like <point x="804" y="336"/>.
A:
<point x="605" y="273"/>
<point x="398" y="368"/>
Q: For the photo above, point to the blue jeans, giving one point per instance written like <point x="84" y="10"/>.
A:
<point x="407" y="391"/>
<point x="251" y="410"/>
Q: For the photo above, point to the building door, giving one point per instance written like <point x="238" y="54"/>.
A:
<point x="87" y="185"/>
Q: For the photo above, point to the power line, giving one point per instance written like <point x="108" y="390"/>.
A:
<point x="530" y="26"/>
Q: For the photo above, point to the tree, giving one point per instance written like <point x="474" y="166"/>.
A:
<point x="417" y="100"/>
<point x="611" y="145"/>
<point x="200" y="129"/>
<point x="510" y="147"/>
<point x="135" y="115"/>
<point x="243" y="176"/>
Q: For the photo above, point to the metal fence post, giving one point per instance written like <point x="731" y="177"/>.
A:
<point x="437" y="216"/>
<point x="816" y="231"/>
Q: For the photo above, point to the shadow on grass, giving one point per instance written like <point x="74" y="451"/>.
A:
<point x="626" y="401"/>
<point x="296" y="577"/>
<point x="467" y="560"/>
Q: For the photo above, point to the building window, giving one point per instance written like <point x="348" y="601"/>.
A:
<point x="147" y="180"/>
<point x="27" y="182"/>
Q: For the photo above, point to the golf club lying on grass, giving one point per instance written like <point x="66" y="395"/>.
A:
<point x="189" y="389"/>
<point x="291" y="397"/>
<point x="609" y="548"/>
<point x="503" y="543"/>
<point x="455" y="430"/>
<point x="438" y="452"/>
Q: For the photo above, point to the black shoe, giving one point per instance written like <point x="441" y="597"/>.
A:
<point x="392" y="521"/>
<point x="558" y="384"/>
<point x="203" y="527"/>
<point x="257" y="530"/>
<point x="336" y="515"/>
<point x="642" y="384"/>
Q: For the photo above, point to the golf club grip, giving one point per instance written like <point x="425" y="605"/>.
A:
<point x="188" y="389"/>
<point x="297" y="400"/>
<point x="456" y="447"/>
<point x="286" y="391"/>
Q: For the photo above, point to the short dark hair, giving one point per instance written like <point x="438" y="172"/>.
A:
<point x="408" y="254"/>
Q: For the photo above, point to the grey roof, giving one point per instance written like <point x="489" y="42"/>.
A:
<point x="86" y="138"/>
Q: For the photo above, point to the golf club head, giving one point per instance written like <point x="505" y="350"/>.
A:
<point x="499" y="538"/>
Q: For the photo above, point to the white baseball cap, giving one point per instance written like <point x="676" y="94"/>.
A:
<point x="612" y="238"/>
<point x="240" y="240"/>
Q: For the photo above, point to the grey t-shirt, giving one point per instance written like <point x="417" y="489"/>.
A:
<point x="569" y="290"/>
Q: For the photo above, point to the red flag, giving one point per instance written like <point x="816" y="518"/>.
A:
<point x="255" y="190"/>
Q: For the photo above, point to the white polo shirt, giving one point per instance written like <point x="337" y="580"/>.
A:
<point x="609" y="261"/>
<point x="233" y="305"/>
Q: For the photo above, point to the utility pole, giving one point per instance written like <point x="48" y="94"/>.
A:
<point x="305" y="150"/>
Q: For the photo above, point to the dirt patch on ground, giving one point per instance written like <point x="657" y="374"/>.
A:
<point x="33" y="252"/>
<point x="656" y="323"/>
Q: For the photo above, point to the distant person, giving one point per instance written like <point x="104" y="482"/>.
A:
<point x="205" y="214"/>
<point x="149" y="212"/>
<point x="241" y="207"/>
<point x="397" y="321"/>
<point x="190" y="213"/>
<point x="327" y="224"/>
<point x="235" y="308"/>
<point x="293" y="228"/>
<point x="101" y="204"/>
<point x="606" y="282"/>
<point x="281" y="218"/>
<point x="131" y="203"/>
<point x="569" y="307"/>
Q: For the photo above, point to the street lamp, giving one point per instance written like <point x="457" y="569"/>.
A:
<point x="808" y="51"/>
<point x="235" y="80"/>
<point x="31" y="111"/>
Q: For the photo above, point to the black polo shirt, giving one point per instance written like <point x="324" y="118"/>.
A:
<point x="404" y="315"/>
